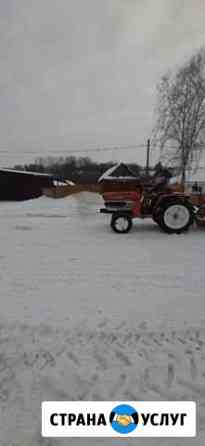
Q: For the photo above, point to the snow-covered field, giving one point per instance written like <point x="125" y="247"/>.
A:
<point x="89" y="314"/>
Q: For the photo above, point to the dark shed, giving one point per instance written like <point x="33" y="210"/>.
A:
<point x="21" y="185"/>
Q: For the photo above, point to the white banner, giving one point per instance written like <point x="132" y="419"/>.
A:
<point x="118" y="419"/>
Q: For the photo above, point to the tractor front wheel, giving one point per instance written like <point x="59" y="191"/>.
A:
<point x="121" y="223"/>
<point x="176" y="216"/>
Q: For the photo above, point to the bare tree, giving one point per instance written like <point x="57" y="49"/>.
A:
<point x="180" y="127"/>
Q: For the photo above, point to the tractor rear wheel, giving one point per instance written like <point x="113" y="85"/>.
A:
<point x="121" y="223"/>
<point x="175" y="216"/>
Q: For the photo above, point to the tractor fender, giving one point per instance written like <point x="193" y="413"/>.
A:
<point x="167" y="198"/>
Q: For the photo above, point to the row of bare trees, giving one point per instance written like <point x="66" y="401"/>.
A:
<point x="180" y="126"/>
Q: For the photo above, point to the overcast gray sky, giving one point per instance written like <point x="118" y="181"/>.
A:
<point x="78" y="74"/>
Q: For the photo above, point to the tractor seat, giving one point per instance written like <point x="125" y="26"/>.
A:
<point x="156" y="183"/>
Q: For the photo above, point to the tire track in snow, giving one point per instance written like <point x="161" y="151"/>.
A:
<point x="41" y="363"/>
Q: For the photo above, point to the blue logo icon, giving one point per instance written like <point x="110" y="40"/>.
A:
<point x="124" y="419"/>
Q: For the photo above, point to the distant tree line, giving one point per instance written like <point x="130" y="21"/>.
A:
<point x="82" y="170"/>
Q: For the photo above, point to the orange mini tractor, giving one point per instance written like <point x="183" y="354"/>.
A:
<point x="173" y="211"/>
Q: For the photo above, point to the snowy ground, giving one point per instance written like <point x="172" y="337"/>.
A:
<point x="89" y="314"/>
